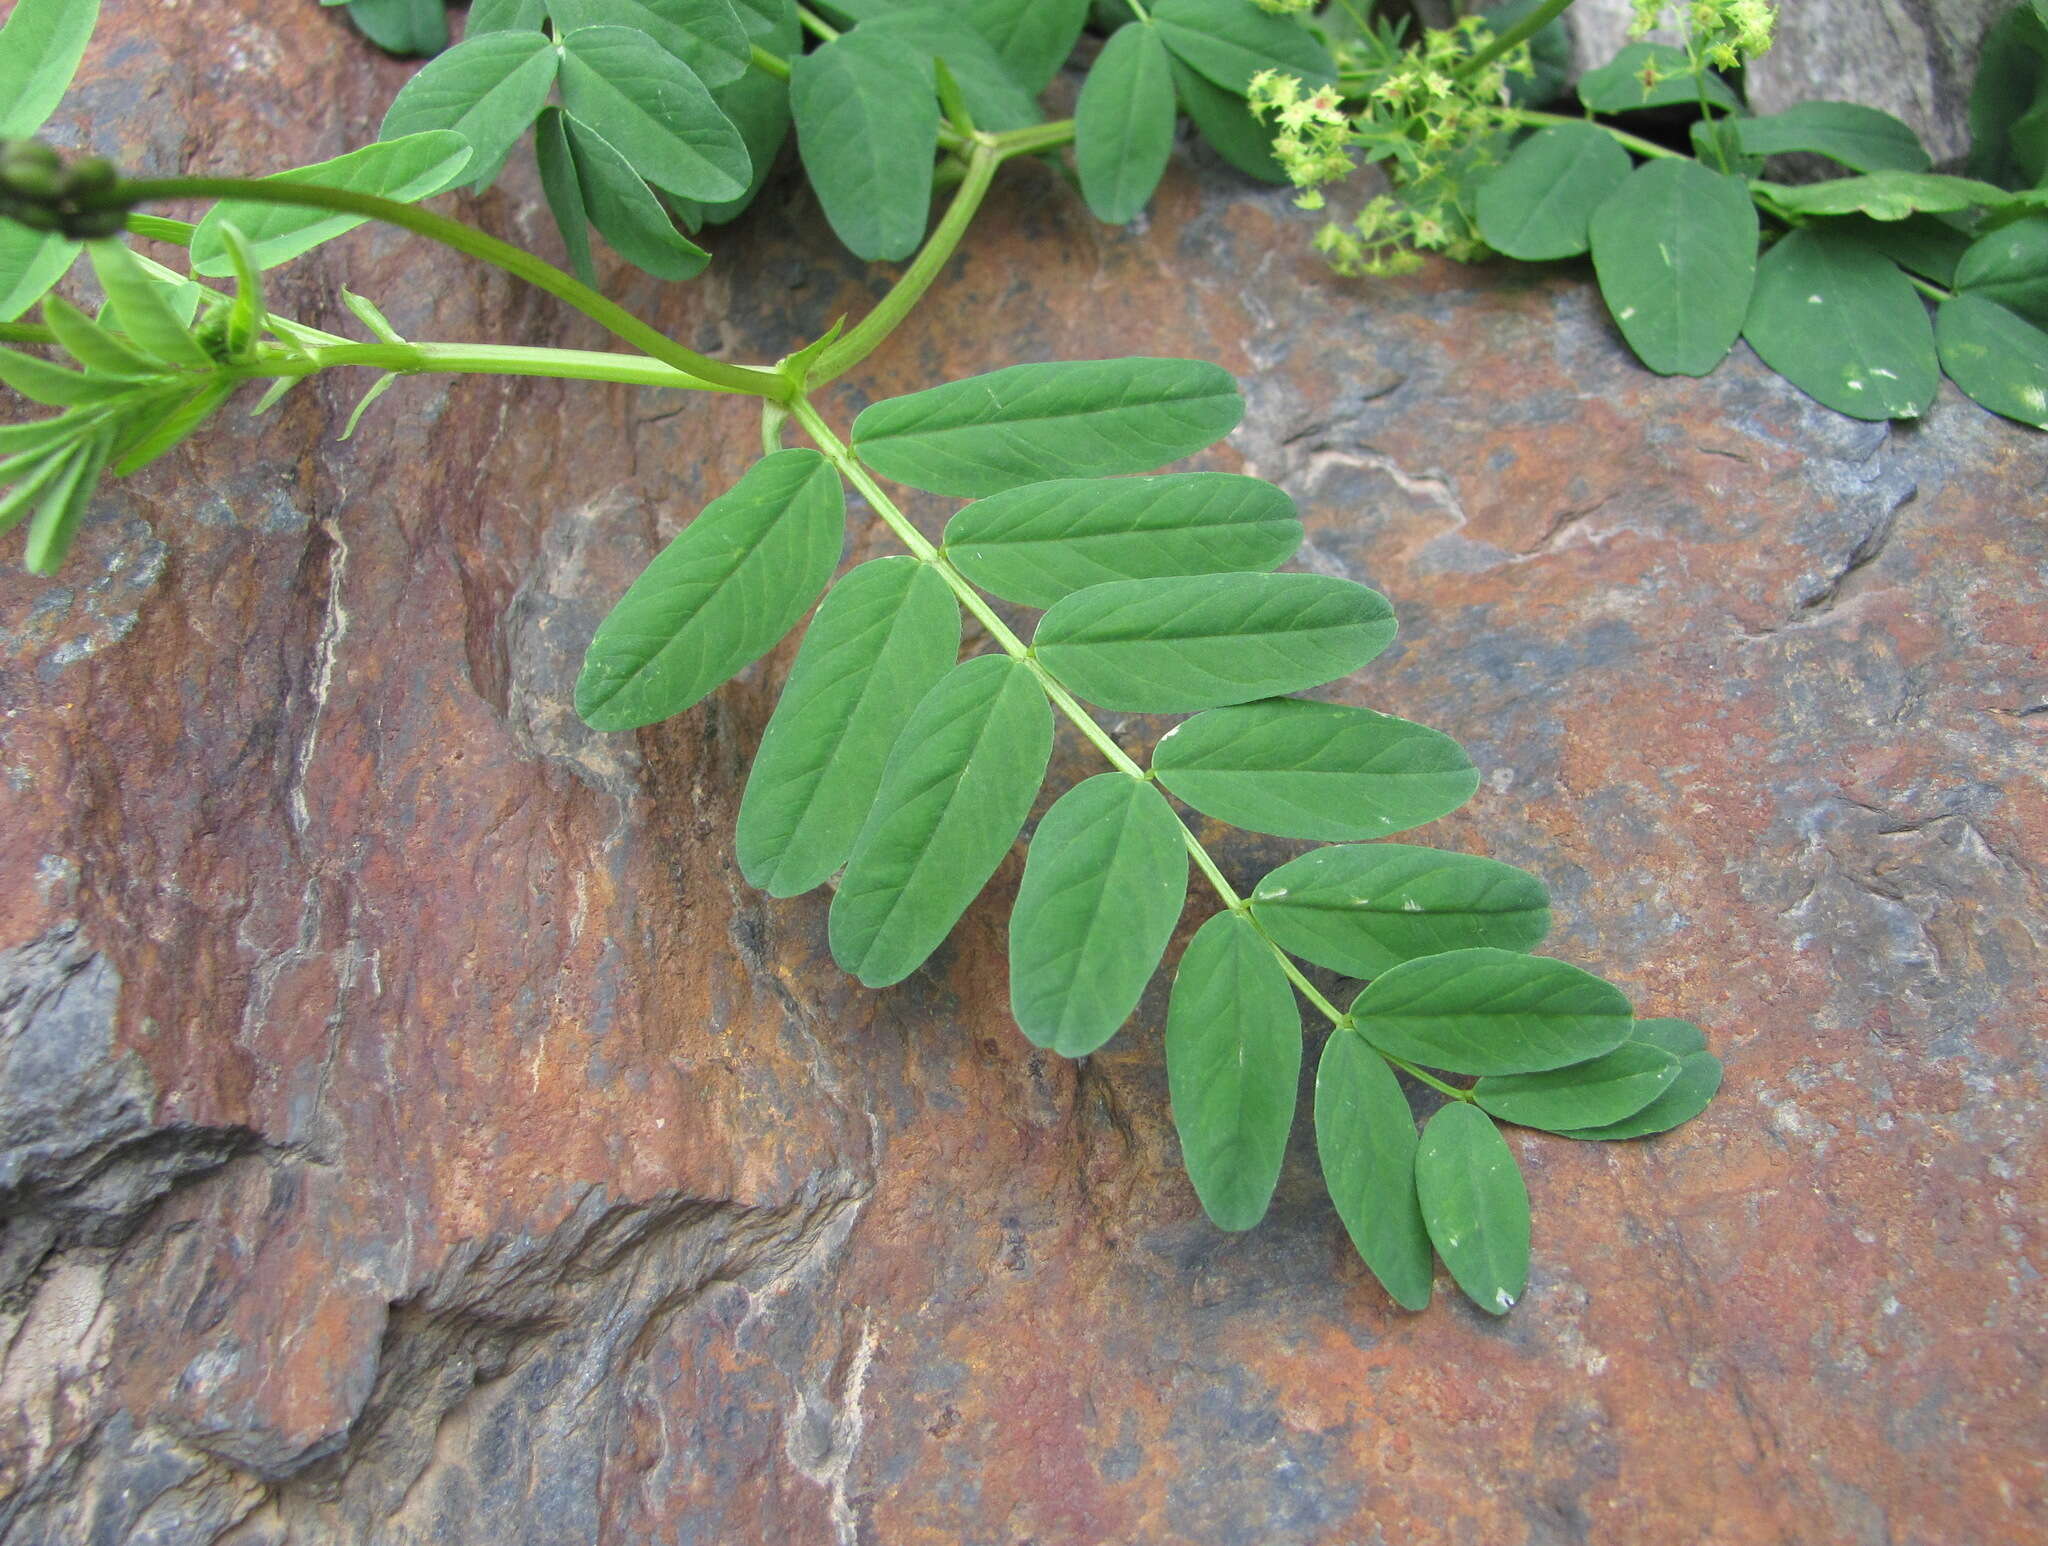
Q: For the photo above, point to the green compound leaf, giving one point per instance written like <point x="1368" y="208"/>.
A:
<point x="401" y="26"/>
<point x="1591" y="1094"/>
<point x="563" y="186"/>
<point x="867" y="126"/>
<point x="407" y="170"/>
<point x="151" y="435"/>
<point x="1675" y="249"/>
<point x="143" y="310"/>
<point x="2008" y="267"/>
<point x="1884" y="195"/>
<point x="953" y="798"/>
<point x="30" y="263"/>
<point x="1228" y="125"/>
<point x="53" y="385"/>
<point x="63" y="504"/>
<point x="1842" y="324"/>
<point x="1033" y="37"/>
<point x="759" y="104"/>
<point x="1680" y="1038"/>
<point x="40" y="47"/>
<point x="1175" y="645"/>
<point x="1233" y="1059"/>
<point x="1699" y="1079"/>
<point x="1618" y="86"/>
<point x="883" y="638"/>
<point x="99" y="351"/>
<point x="1040" y="543"/>
<point x="617" y="200"/>
<point x="1540" y="202"/>
<point x="1123" y="124"/>
<point x="655" y="112"/>
<point x="1323" y="771"/>
<point x="1485" y="1011"/>
<point x="2007" y="102"/>
<point x="1366" y="1141"/>
<point x="994" y="97"/>
<point x="1475" y="1205"/>
<point x="487" y="16"/>
<point x="1861" y="138"/>
<point x="1229" y="42"/>
<point x="486" y="89"/>
<point x="1104" y="881"/>
<point x="706" y="35"/>
<point x="1996" y="356"/>
<point x="1364" y="909"/>
<point x="1027" y="423"/>
<point x="719" y="596"/>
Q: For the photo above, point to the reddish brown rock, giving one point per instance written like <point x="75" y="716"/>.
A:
<point x="415" y="1131"/>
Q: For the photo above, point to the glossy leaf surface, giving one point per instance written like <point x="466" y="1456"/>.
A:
<point x="1996" y="356"/>
<point x="1324" y="771"/>
<point x="1233" y="1059"/>
<point x="1488" y="1011"/>
<point x="1104" y="882"/>
<point x="1675" y="249"/>
<point x="1841" y="323"/>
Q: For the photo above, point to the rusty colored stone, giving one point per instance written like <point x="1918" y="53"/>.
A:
<point x="415" y="1131"/>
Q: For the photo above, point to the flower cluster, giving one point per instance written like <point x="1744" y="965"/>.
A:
<point x="1722" y="33"/>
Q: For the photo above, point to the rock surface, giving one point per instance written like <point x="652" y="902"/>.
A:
<point x="413" y="1130"/>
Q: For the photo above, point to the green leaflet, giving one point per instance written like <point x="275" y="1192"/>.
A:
<point x="1996" y="356"/>
<point x="18" y="501"/>
<point x="1174" y="645"/>
<point x="40" y="47"/>
<point x="487" y="16"/>
<point x="624" y="209"/>
<point x="91" y="345"/>
<point x="2008" y="100"/>
<point x="992" y="94"/>
<point x="142" y="307"/>
<point x="1699" y="1079"/>
<point x="63" y="503"/>
<point x="1104" y="881"/>
<point x="153" y="434"/>
<point x="1605" y="1089"/>
<point x="1675" y="249"/>
<point x="706" y="35"/>
<point x="1123" y="124"/>
<point x="401" y="26"/>
<point x="1229" y="42"/>
<point x="883" y="638"/>
<point x="1861" y="138"/>
<point x="652" y="108"/>
<point x="1884" y="195"/>
<point x="486" y="89"/>
<point x="1032" y="37"/>
<point x="759" y="104"/>
<point x="1027" y="423"/>
<point x="1475" y="1205"/>
<point x="1042" y="542"/>
<point x="1324" y="771"/>
<point x="53" y="385"/>
<point x="954" y="795"/>
<point x="1680" y="1038"/>
<point x="1233" y="1059"/>
<point x="867" y="127"/>
<point x="1923" y="244"/>
<point x="1363" y="909"/>
<point x="1228" y="125"/>
<point x="1538" y="205"/>
<point x="406" y="169"/>
<point x="1366" y="1142"/>
<point x="563" y="186"/>
<point x="1485" y="1011"/>
<point x="2010" y="267"/>
<point x="30" y="262"/>
<point x="719" y="596"/>
<point x="1842" y="324"/>
<point x="1617" y="86"/>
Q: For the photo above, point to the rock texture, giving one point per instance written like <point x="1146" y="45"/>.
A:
<point x="412" y="1130"/>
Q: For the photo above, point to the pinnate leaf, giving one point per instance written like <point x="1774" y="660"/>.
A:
<point x="1027" y="423"/>
<point x="1841" y="323"/>
<point x="1489" y="1011"/>
<point x="1475" y="1205"/>
<point x="1103" y="885"/>
<point x="867" y="126"/>
<point x="954" y="795"/>
<point x="1699" y="1079"/>
<point x="1123" y="124"/>
<point x="406" y="170"/>
<point x="719" y="596"/>
<point x="1325" y="771"/>
<point x="1540" y="202"/>
<point x="1233" y="1059"/>
<point x="882" y="639"/>
<point x="1363" y="909"/>
<point x="1604" y="1089"/>
<point x="1366" y="1142"/>
<point x="143" y="308"/>
<point x="1861" y="138"/>
<point x="1196" y="642"/>
<point x="1675" y="249"/>
<point x="1044" y="541"/>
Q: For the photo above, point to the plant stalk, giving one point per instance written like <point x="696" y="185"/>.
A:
<point x="1515" y="36"/>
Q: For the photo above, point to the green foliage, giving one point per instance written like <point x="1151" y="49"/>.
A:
<point x="1475" y="1206"/>
<point x="1675" y="248"/>
<point x="1123" y="124"/>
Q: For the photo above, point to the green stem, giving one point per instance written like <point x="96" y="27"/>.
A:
<point x="816" y="25"/>
<point x="774" y="64"/>
<point x="25" y="333"/>
<point x="1034" y="139"/>
<point x="473" y="243"/>
<point x="1006" y="639"/>
<point x="1627" y="141"/>
<point x="480" y="360"/>
<point x="1928" y="288"/>
<point x="1514" y="37"/>
<point x="861" y="341"/>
